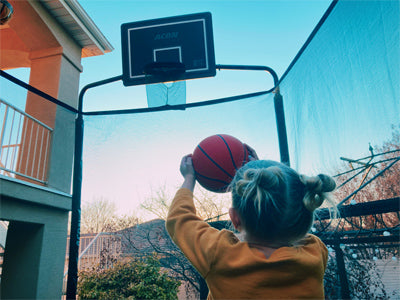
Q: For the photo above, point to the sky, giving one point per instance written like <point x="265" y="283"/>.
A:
<point x="127" y="158"/>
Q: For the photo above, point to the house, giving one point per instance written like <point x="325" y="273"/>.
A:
<point x="50" y="37"/>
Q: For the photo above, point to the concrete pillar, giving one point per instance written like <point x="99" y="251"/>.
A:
<point x="61" y="159"/>
<point x="21" y="263"/>
<point x="35" y="249"/>
<point x="59" y="77"/>
<point x="44" y="75"/>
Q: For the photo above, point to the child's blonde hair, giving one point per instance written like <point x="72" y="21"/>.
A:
<point x="275" y="204"/>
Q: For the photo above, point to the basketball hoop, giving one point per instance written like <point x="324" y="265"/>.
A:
<point x="167" y="49"/>
<point x="170" y="70"/>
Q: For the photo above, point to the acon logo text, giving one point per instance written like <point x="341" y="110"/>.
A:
<point x="166" y="35"/>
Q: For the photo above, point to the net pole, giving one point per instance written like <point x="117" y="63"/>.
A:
<point x="341" y="269"/>
<point x="278" y="105"/>
<point x="281" y="127"/>
<point x="73" y="260"/>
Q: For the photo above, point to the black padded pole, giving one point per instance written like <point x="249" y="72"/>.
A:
<point x="341" y="269"/>
<point x="281" y="128"/>
<point x="72" y="281"/>
<point x="278" y="104"/>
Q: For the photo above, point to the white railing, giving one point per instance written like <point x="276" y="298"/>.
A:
<point x="92" y="249"/>
<point x="3" y="233"/>
<point x="24" y="144"/>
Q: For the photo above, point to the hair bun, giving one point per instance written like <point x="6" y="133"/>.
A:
<point x="328" y="184"/>
<point x="316" y="187"/>
<point x="265" y="178"/>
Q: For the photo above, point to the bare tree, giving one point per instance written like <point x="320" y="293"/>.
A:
<point x="158" y="203"/>
<point x="372" y="178"/>
<point x="212" y="206"/>
<point x="382" y="165"/>
<point x="100" y="215"/>
<point x="209" y="205"/>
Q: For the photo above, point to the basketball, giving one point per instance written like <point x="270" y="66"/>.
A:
<point x="216" y="160"/>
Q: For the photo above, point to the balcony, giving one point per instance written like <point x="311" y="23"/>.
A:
<point x="25" y="145"/>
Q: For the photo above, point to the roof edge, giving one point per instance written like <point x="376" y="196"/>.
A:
<point x="87" y="25"/>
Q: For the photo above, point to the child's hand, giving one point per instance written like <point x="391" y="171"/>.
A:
<point x="252" y="153"/>
<point x="187" y="172"/>
<point x="186" y="167"/>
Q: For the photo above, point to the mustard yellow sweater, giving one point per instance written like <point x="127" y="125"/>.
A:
<point x="233" y="270"/>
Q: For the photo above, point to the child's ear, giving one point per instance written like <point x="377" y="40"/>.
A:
<point x="234" y="215"/>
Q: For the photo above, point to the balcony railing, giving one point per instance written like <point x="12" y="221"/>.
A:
<point x="24" y="145"/>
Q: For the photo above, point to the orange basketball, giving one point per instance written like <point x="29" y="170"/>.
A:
<point x="216" y="160"/>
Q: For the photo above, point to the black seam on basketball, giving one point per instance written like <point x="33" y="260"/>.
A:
<point x="212" y="179"/>
<point x="215" y="163"/>
<point x="230" y="153"/>
<point x="245" y="155"/>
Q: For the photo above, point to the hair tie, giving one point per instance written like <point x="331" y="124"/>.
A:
<point x="328" y="184"/>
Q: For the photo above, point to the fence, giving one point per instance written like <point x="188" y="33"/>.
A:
<point x="25" y="144"/>
<point x="3" y="234"/>
<point x="94" y="250"/>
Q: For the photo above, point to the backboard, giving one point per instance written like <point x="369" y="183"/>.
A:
<point x="168" y="49"/>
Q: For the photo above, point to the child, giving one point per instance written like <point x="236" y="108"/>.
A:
<point x="272" y="206"/>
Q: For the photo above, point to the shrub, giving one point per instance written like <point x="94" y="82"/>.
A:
<point x="134" y="279"/>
